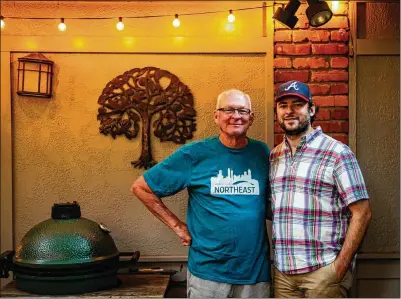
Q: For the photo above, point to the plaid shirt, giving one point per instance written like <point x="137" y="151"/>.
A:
<point x="310" y="194"/>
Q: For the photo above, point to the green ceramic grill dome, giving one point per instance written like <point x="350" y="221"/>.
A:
<point x="65" y="239"/>
<point x="68" y="241"/>
<point x="66" y="254"/>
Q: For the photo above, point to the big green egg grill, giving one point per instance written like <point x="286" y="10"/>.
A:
<point x="67" y="254"/>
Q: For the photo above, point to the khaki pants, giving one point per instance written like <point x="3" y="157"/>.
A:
<point x="322" y="283"/>
<point x="202" y="288"/>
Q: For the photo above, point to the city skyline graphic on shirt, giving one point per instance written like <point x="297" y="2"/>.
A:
<point x="232" y="184"/>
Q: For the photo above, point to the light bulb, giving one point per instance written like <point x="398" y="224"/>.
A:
<point x="2" y="22"/>
<point x="120" y="24"/>
<point x="62" y="26"/>
<point x="231" y="17"/>
<point x="334" y="6"/>
<point x="176" y="22"/>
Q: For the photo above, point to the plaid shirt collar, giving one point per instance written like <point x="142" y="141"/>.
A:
<point x="306" y="139"/>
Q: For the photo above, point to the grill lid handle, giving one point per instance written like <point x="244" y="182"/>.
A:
<point x="66" y="210"/>
<point x="6" y="263"/>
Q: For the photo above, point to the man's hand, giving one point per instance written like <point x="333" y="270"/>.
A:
<point x="361" y="216"/>
<point x="340" y="269"/>
<point x="181" y="230"/>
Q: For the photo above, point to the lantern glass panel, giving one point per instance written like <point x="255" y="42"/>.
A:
<point x="43" y="79"/>
<point x="31" y="77"/>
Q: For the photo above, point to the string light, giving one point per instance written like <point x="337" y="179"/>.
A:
<point x="176" y="22"/>
<point x="231" y="17"/>
<point x="62" y="26"/>
<point x="120" y="24"/>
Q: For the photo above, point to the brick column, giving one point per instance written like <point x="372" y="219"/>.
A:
<point x="319" y="57"/>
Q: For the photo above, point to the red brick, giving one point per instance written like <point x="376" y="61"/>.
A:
<point x="290" y="49"/>
<point x="323" y="124"/>
<point x="339" y="88"/>
<point x="327" y="49"/>
<point x="310" y="35"/>
<point x="302" y="10"/>
<point x="323" y="114"/>
<point x="341" y="101"/>
<point x="322" y="101"/>
<point x="276" y="86"/>
<point x="339" y="36"/>
<point x="336" y="22"/>
<point x="338" y="127"/>
<point x="278" y="25"/>
<point x="303" y="22"/>
<point x="311" y="62"/>
<point x="340" y="137"/>
<point x="300" y="36"/>
<point x="278" y="138"/>
<point x="327" y="76"/>
<point x="277" y="128"/>
<point x="319" y="89"/>
<point x="282" y="63"/>
<point x="339" y="114"/>
<point x="282" y="36"/>
<point x="332" y="126"/>
<point x="339" y="62"/>
<point x="283" y="76"/>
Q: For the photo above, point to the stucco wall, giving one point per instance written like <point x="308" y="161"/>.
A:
<point x="59" y="154"/>
<point x="378" y="148"/>
<point x="378" y="20"/>
<point x="248" y="22"/>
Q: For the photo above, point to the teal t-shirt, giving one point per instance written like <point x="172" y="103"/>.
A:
<point x="228" y="189"/>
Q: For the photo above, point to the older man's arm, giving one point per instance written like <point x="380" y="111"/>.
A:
<point x="154" y="204"/>
<point x="361" y="216"/>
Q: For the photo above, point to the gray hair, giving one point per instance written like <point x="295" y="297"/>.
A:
<point x="226" y="93"/>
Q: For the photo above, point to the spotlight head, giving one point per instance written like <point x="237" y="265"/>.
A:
<point x="318" y="13"/>
<point x="287" y="16"/>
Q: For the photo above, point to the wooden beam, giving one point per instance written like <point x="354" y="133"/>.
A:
<point x="6" y="190"/>
<point x="378" y="46"/>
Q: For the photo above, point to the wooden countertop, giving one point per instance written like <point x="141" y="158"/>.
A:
<point x="133" y="286"/>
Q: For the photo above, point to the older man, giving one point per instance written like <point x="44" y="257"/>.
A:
<point x="320" y="204"/>
<point x="226" y="177"/>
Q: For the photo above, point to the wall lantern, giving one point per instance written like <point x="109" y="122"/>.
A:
<point x="35" y="76"/>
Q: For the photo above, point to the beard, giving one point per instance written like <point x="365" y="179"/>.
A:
<point x="298" y="130"/>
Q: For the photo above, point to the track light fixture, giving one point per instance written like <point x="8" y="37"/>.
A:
<point x="318" y="13"/>
<point x="287" y="16"/>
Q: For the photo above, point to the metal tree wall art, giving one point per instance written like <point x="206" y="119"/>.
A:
<point x="139" y="95"/>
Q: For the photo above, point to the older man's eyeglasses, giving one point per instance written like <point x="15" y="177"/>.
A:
<point x="231" y="111"/>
